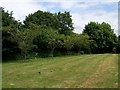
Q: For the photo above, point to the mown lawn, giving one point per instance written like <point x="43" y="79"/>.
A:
<point x="87" y="71"/>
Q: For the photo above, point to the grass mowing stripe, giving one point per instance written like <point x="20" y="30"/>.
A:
<point x="63" y="75"/>
<point x="56" y="75"/>
<point x="58" y="60"/>
<point x="68" y="71"/>
<point x="38" y="64"/>
<point x="18" y="74"/>
<point x="49" y="60"/>
<point x="20" y="69"/>
<point x="110" y="74"/>
<point x="102" y="75"/>
<point x="78" y="77"/>
<point x="68" y="62"/>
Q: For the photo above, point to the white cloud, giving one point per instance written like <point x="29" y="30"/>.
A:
<point x="67" y="5"/>
<point x="21" y="8"/>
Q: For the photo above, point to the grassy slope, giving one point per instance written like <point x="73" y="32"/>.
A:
<point x="100" y="70"/>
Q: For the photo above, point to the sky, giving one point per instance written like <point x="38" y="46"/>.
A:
<point x="82" y="11"/>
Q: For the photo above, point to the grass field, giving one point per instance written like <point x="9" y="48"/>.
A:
<point x="83" y="71"/>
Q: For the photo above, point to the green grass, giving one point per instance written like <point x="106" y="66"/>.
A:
<point x="95" y="70"/>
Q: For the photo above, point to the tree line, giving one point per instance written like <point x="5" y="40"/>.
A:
<point x="51" y="34"/>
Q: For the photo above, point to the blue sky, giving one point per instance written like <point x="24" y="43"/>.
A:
<point x="82" y="11"/>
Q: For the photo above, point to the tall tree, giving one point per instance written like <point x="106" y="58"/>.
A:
<point x="64" y="23"/>
<point x="81" y="41"/>
<point x="25" y="40"/>
<point x="7" y="18"/>
<point x="47" y="40"/>
<point x="40" y="18"/>
<point x="91" y="29"/>
<point x="103" y="35"/>
<point x="9" y="29"/>
<point x="59" y="21"/>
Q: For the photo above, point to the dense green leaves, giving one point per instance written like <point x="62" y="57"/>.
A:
<point x="59" y="21"/>
<point x="103" y="36"/>
<point x="64" y="23"/>
<point x="7" y="19"/>
<point x="9" y="42"/>
<point x="45" y="34"/>
<point x="9" y="29"/>
<point x="40" y="18"/>
<point x="48" y="39"/>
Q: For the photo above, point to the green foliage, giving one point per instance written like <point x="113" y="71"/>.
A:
<point x="40" y="18"/>
<point x="64" y="23"/>
<point x="7" y="19"/>
<point x="9" y="43"/>
<point x="81" y="41"/>
<point x="48" y="39"/>
<point x="59" y="21"/>
<point x="68" y="43"/>
<point x="91" y="28"/>
<point x="9" y="29"/>
<point x="103" y="35"/>
<point x="25" y="40"/>
<point x="45" y="34"/>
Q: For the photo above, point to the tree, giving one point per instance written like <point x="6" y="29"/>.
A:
<point x="61" y="22"/>
<point x="40" y="18"/>
<point x="103" y="36"/>
<point x="47" y="40"/>
<point x="9" y="30"/>
<point x="25" y="39"/>
<point x="7" y="19"/>
<point x="53" y="40"/>
<point x="64" y="23"/>
<point x="9" y="43"/>
<point x="81" y="41"/>
<point x="68" y="43"/>
<point x="91" y="29"/>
